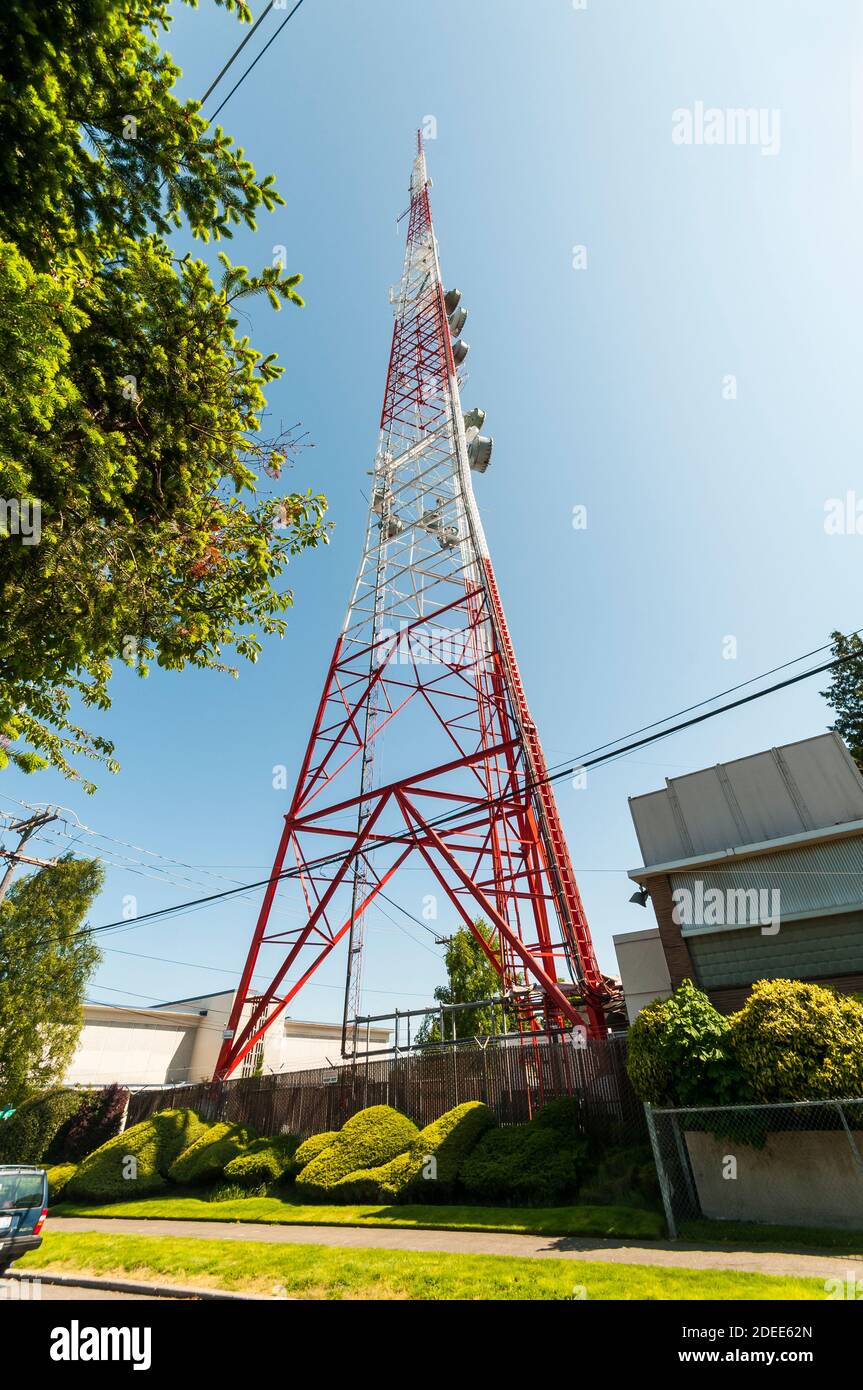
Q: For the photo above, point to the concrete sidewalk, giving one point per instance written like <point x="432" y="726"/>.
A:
<point x="678" y="1255"/>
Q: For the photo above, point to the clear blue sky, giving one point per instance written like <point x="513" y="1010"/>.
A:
<point x="602" y="387"/>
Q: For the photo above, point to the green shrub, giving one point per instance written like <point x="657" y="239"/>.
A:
<point x="34" y="1134"/>
<point x="791" y="1041"/>
<point x="385" y="1183"/>
<point x="798" y="1041"/>
<point x="563" y="1116"/>
<point x="206" y="1159"/>
<point x="58" y="1177"/>
<point x="367" y="1140"/>
<point x="99" y="1119"/>
<point x="233" y="1192"/>
<point x="677" y="1052"/>
<point x="310" y="1148"/>
<point x="409" y="1177"/>
<point x="154" y="1144"/>
<point x="527" y="1165"/>
<point x="623" y="1177"/>
<point x="264" y="1161"/>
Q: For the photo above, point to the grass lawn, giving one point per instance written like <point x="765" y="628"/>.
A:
<point x="541" y="1221"/>
<point x="325" y="1272"/>
<point x="752" y="1234"/>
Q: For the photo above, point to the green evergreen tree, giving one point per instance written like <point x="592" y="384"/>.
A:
<point x="845" y="693"/>
<point x="45" y="962"/>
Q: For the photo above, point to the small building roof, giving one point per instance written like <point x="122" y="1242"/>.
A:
<point x="147" y="1015"/>
<point x="196" y="999"/>
<point x="792" y="791"/>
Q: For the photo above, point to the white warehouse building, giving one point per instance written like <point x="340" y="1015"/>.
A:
<point x="179" y="1042"/>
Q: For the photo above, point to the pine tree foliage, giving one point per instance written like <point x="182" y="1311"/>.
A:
<point x="130" y="404"/>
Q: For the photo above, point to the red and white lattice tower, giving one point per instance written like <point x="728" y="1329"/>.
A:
<point x="424" y="658"/>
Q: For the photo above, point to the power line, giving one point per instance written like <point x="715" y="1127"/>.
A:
<point x="576" y="766"/>
<point x="254" y="62"/>
<point x="225" y="970"/>
<point x="425" y="926"/>
<point x="722" y="693"/>
<point x="26" y="830"/>
<point x="237" y="51"/>
<point x="66" y="811"/>
<point x="159" y="876"/>
<point x="404" y="931"/>
<point x="579" y="765"/>
<point x="700" y="718"/>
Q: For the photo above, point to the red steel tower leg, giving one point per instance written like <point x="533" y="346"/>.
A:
<point x="425" y="660"/>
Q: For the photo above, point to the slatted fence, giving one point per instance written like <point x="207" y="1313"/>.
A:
<point x="513" y="1080"/>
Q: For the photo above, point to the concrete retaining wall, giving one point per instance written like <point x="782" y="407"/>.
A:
<point x="799" y="1178"/>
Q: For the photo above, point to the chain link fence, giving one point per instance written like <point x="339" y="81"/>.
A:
<point x="788" y="1165"/>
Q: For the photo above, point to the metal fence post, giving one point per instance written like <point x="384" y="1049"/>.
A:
<point x="683" y="1158"/>
<point x="855" y="1152"/>
<point x="455" y="1057"/>
<point x="664" y="1185"/>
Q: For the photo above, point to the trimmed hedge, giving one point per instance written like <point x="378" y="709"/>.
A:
<point x="564" y="1116"/>
<point x="368" y="1140"/>
<point x="310" y="1148"/>
<point x="205" y="1160"/>
<point x="623" y="1177"/>
<point x="527" y="1165"/>
<point x="409" y="1176"/>
<point x="36" y="1131"/>
<point x="154" y="1144"/>
<point x="382" y="1184"/>
<point x="58" y="1178"/>
<point x="264" y="1161"/>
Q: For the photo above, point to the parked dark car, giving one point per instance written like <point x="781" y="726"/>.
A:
<point x="23" y="1209"/>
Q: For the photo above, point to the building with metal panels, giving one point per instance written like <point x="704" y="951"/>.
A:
<point x="754" y="869"/>
<point x="167" y="1044"/>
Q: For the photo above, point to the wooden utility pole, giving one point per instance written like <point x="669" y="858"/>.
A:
<point x="26" y="829"/>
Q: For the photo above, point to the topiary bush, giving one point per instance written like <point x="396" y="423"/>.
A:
<point x="99" y="1118"/>
<point x="410" y="1177"/>
<point x="106" y="1175"/>
<point x="265" y="1161"/>
<point x="36" y="1130"/>
<point x="677" y="1052"/>
<point x="368" y="1140"/>
<point x="564" y="1116"/>
<point x="386" y="1183"/>
<point x="58" y="1178"/>
<point x="623" y="1177"/>
<point x="527" y="1165"/>
<point x="310" y="1148"/>
<point x="205" y="1160"/>
<point x="798" y="1041"/>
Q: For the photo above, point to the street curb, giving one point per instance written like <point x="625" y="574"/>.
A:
<point x="129" y="1286"/>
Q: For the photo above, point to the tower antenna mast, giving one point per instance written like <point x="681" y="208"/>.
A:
<point x="425" y="658"/>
